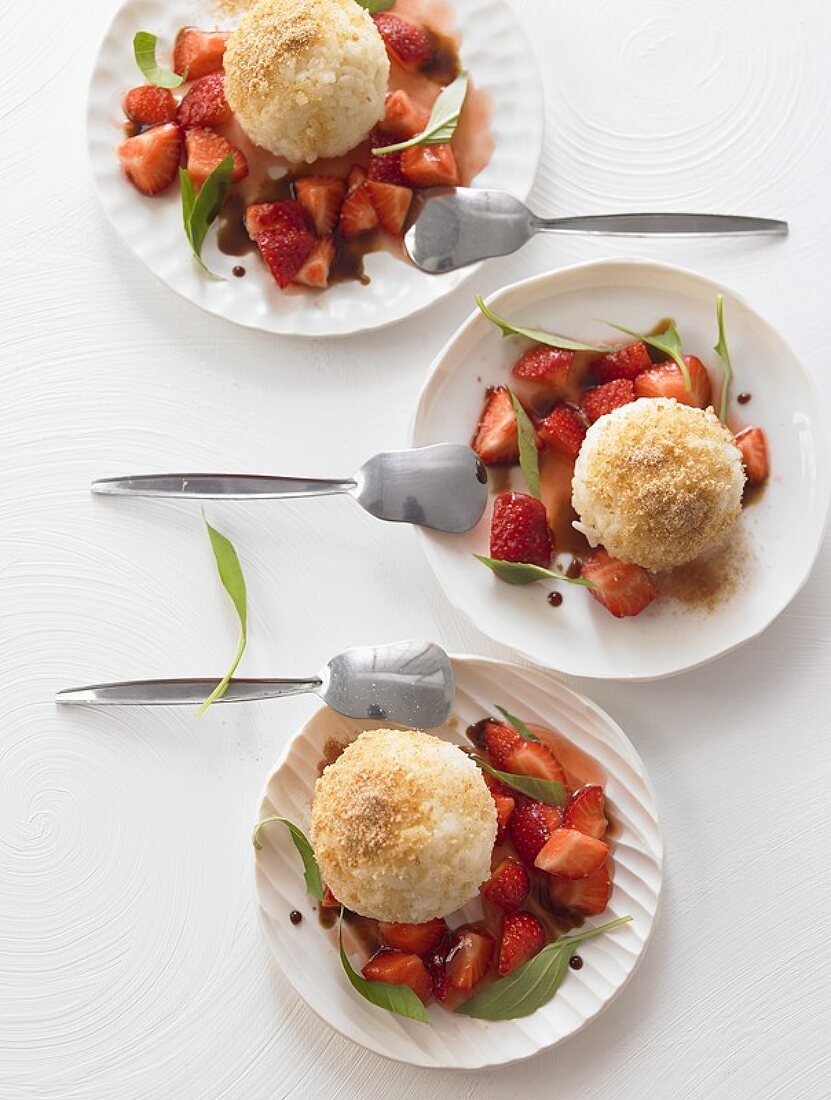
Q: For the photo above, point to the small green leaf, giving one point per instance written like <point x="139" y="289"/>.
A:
<point x="669" y="342"/>
<point x="200" y="211"/>
<point x="374" y="6"/>
<point x="443" y="119"/>
<point x="518" y="724"/>
<point x="540" y="337"/>
<point x="548" y="791"/>
<point x="144" y="50"/>
<point x="520" y="572"/>
<point x="233" y="581"/>
<point x="399" y="999"/>
<point x="529" y="458"/>
<point x="723" y="353"/>
<point x="311" y="871"/>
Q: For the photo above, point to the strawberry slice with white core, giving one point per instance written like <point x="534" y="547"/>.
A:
<point x="322" y="198"/>
<point x="315" y="271"/>
<point x="198" y="53"/>
<point x="151" y="160"/>
<point x="571" y="854"/>
<point x="534" y="759"/>
<point x="415" y="939"/>
<point x="397" y="968"/>
<point x="589" y="895"/>
<point x="430" y="166"/>
<point x="205" y="150"/>
<point x="496" y="441"/>
<point x="403" y="117"/>
<point x="358" y="214"/>
<point x="753" y="445"/>
<point x="392" y="204"/>
<point x="469" y="957"/>
<point x="666" y="380"/>
<point x="622" y="588"/>
<point x="586" y="811"/>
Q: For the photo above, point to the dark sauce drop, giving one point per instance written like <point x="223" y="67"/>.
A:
<point x="574" y="568"/>
<point x="575" y="962"/>
<point x="443" y="66"/>
<point x="555" y="598"/>
<point x="327" y="916"/>
<point x="295" y="916"/>
<point x="743" y="398"/>
<point x="231" y="236"/>
<point x="238" y="270"/>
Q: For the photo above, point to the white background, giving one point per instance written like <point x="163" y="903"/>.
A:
<point x="131" y="963"/>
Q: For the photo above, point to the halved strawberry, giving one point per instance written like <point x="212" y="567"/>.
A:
<point x="508" y="886"/>
<point x="407" y="43"/>
<point x="403" y="117"/>
<point x="626" y="362"/>
<point x="585" y="812"/>
<point x="204" y="150"/>
<point x="547" y="367"/>
<point x="198" y="52"/>
<point x="315" y="271"/>
<point x="535" y="759"/>
<point x="204" y="103"/>
<point x="148" y="105"/>
<point x="496" y="441"/>
<point x="151" y="159"/>
<point x="589" y="895"/>
<point x="270" y="215"/>
<point x="608" y="397"/>
<point x="415" y="939"/>
<point x="563" y="429"/>
<point x="519" y="530"/>
<point x="358" y="214"/>
<point x="321" y="197"/>
<point x="571" y="854"/>
<point x="666" y="380"/>
<point x="397" y="968"/>
<point x="329" y="900"/>
<point x="392" y="204"/>
<point x="430" y="166"/>
<point x="623" y="589"/>
<point x="499" y="741"/>
<point x="469" y="957"/>
<point x="285" y="250"/>
<point x="532" y="823"/>
<point x="753" y="444"/>
<point x="504" y="809"/>
<point x="522" y="937"/>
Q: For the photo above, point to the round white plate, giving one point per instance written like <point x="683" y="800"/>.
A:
<point x="307" y="953"/>
<point x="500" y="60"/>
<point x="783" y="530"/>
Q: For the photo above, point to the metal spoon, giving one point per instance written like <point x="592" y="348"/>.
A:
<point x="452" y="227"/>
<point x="444" y="487"/>
<point x="409" y="683"/>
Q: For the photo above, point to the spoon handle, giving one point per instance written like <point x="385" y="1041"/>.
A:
<point x="180" y="693"/>
<point x="214" y="486"/>
<point x="662" y="225"/>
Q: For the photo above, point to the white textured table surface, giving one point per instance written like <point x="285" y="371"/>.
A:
<point x="131" y="963"/>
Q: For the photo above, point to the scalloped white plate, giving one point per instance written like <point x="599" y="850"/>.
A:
<point x="782" y="531"/>
<point x="501" y="62"/>
<point x="307" y="953"/>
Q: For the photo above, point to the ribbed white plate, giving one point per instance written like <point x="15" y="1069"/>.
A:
<point x="307" y="953"/>
<point x="500" y="61"/>
<point x="782" y="532"/>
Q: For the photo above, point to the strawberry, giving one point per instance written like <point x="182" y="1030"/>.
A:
<point x="626" y="362"/>
<point x="315" y="271"/>
<point x="500" y="741"/>
<point x="532" y="823"/>
<point x="386" y="168"/>
<point x="754" y="447"/>
<point x="504" y="808"/>
<point x="204" y="150"/>
<point x="273" y="215"/>
<point x="666" y="380"/>
<point x="496" y="441"/>
<point x="198" y="52"/>
<point x="396" y="968"/>
<point x="563" y="429"/>
<point x="430" y="166"/>
<point x="403" y="118"/>
<point x="321" y="197"/>
<point x="622" y="589"/>
<point x="469" y="957"/>
<point x="533" y="758"/>
<point x="608" y="397"/>
<point x="392" y="204"/>
<point x="585" y="812"/>
<point x="571" y="854"/>
<point x="589" y="895"/>
<point x="285" y="251"/>
<point x="522" y="937"/>
<point x="508" y="886"/>
<point x="519" y="530"/>
<point x="547" y="367"/>
<point x="329" y="900"/>
<point x="148" y="105"/>
<point x="415" y="939"/>
<point x="436" y="963"/>
<point x="357" y="176"/>
<point x="151" y="159"/>
<point x="494" y="785"/>
<point x="204" y="104"/>
<point x="407" y="43"/>
<point x="358" y="214"/>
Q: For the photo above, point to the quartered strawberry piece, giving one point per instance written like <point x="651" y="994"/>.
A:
<point x="522" y="937"/>
<point x="358" y="214"/>
<point x="585" y="812"/>
<point x="533" y="758"/>
<point x="623" y="589"/>
<point x="563" y="430"/>
<point x="504" y="809"/>
<point x="532" y="823"/>
<point x="204" y="104"/>
<point x="430" y="166"/>
<point x="321" y="197"/>
<point x="519" y="530"/>
<point x="589" y="895"/>
<point x="469" y="957"/>
<point x="547" y="367"/>
<point x="608" y="397"/>
<point x="508" y="886"/>
<point x="198" y="52"/>
<point x="397" y="968"/>
<point x="285" y="250"/>
<point x="403" y="118"/>
<point x="499" y="741"/>
<point x="315" y="271"/>
<point x="666" y="380"/>
<point x="415" y="939"/>
<point x="204" y="150"/>
<point x="626" y="362"/>
<point x="753" y="444"/>
<point x="392" y="204"/>
<point x="407" y="43"/>
<point x="570" y="854"/>
<point x="151" y="159"/>
<point x="496" y="441"/>
<point x="148" y="105"/>
<point x="270" y="215"/>
<point x="357" y="176"/>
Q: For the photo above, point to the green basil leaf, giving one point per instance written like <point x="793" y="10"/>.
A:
<point x="233" y="581"/>
<point x="199" y="211"/>
<point x="529" y="457"/>
<point x="374" y="6"/>
<point x="723" y="353"/>
<point x="536" y="334"/>
<point x="548" y="791"/>
<point x="521" y="572"/>
<point x="669" y="342"/>
<point x="311" y="871"/>
<point x="399" y="999"/>
<point x="441" y="125"/>
<point x="518" y="724"/>
<point x="144" y="50"/>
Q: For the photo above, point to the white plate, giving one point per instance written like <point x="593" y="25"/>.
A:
<point x="307" y="953"/>
<point x="783" y="530"/>
<point x="501" y="62"/>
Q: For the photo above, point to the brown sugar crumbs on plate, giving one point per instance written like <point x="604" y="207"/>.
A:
<point x="711" y="580"/>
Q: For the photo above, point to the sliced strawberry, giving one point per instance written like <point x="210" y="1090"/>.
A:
<point x="285" y="250"/>
<point x="519" y="530"/>
<point x="329" y="900"/>
<point x="407" y="43"/>
<point x="198" y="52"/>
<point x="430" y="166"/>
<point x="469" y="957"/>
<point x="571" y="854"/>
<point x="589" y="895"/>
<point x="547" y="367"/>
<point x="204" y="104"/>
<point x="392" y="204"/>
<point x="403" y="118"/>
<point x="315" y="271"/>
<point x="397" y="968"/>
<point x="321" y="197"/>
<point x="622" y="589"/>
<point x="585" y="812"/>
<point x="386" y="168"/>
<point x="533" y="758"/>
<point x="508" y="886"/>
<point x="271" y="215"/>
<point x="148" y="105"/>
<point x="504" y="809"/>
<point x="357" y="176"/>
<point x="151" y="159"/>
<point x="496" y="441"/>
<point x="608" y="397"/>
<point x="499" y="741"/>
<point x="415" y="939"/>
<point x="204" y="150"/>
<point x="753" y="444"/>
<point x="563" y="430"/>
<point x="626" y="362"/>
<point x="666" y="380"/>
<point x="522" y="937"/>
<point x="532" y="823"/>
<point x="358" y="214"/>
